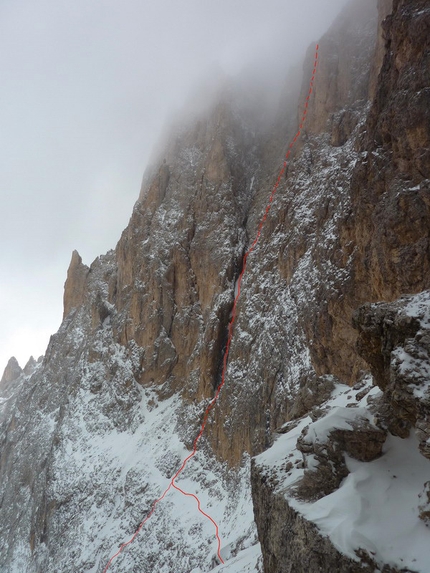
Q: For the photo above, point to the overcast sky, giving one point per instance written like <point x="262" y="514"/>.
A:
<point x="86" y="87"/>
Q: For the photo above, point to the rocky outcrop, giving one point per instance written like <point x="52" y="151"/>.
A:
<point x="331" y="479"/>
<point x="361" y="440"/>
<point x="290" y="543"/>
<point x="12" y="371"/>
<point x="394" y="338"/>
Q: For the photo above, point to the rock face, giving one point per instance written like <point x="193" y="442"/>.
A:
<point x="385" y="239"/>
<point x="342" y="84"/>
<point x="390" y="192"/>
<point x="74" y="290"/>
<point x="384" y="233"/>
<point x="385" y="7"/>
<point x="92" y="437"/>
<point x="181" y="253"/>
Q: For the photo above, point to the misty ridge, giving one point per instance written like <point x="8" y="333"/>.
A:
<point x="259" y="93"/>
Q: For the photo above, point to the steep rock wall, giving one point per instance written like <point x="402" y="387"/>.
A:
<point x="384" y="236"/>
<point x="384" y="233"/>
<point x="199" y="207"/>
<point x="181" y="253"/>
<point x="286" y="332"/>
<point x="394" y="339"/>
<point x="390" y="219"/>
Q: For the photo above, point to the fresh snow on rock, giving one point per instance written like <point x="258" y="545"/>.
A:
<point x="376" y="507"/>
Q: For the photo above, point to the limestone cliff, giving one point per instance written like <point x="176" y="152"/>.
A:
<point x="384" y="230"/>
<point x="179" y="257"/>
<point x="385" y="237"/>
<point x="390" y="195"/>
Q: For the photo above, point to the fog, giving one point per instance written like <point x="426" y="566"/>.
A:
<point x="86" y="89"/>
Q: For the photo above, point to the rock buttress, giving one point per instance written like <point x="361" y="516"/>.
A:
<point x="74" y="288"/>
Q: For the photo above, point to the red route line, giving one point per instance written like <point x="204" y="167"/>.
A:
<point x="227" y="349"/>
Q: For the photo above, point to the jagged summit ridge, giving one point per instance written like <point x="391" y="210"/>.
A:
<point x="13" y="370"/>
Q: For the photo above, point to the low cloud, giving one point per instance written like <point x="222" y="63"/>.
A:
<point x="87" y="88"/>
